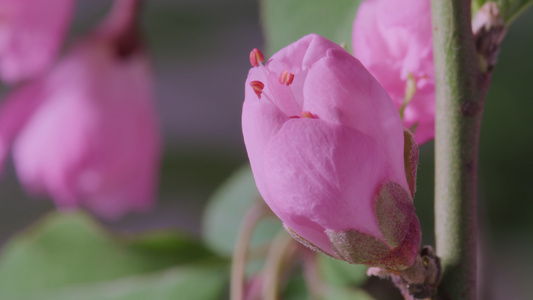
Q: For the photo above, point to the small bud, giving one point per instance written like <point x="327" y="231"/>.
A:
<point x="256" y="57"/>
<point x="489" y="30"/>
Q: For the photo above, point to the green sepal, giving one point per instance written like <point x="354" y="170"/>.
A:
<point x="394" y="211"/>
<point x="410" y="156"/>
<point x="356" y="247"/>
<point x="304" y="242"/>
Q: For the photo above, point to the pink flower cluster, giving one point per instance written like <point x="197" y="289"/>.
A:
<point x="83" y="132"/>
<point x="394" y="42"/>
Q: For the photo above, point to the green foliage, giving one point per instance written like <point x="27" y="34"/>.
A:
<point x="285" y="21"/>
<point x="337" y="272"/>
<point x="226" y="209"/>
<point x="296" y="290"/>
<point x="346" y="293"/>
<point x="196" y="171"/>
<point x="509" y="9"/>
<point x="178" y="283"/>
<point x="68" y="256"/>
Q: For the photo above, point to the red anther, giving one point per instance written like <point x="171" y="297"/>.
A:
<point x="286" y="78"/>
<point x="258" y="87"/>
<point x="309" y="115"/>
<point x="256" y="57"/>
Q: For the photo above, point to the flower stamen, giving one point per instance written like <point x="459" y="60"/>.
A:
<point x="309" y="115"/>
<point x="286" y="78"/>
<point x="258" y="87"/>
<point x="256" y="57"/>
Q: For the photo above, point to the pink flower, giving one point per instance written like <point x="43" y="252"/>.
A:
<point x="393" y="39"/>
<point x="86" y="133"/>
<point x="326" y="146"/>
<point x="31" y="34"/>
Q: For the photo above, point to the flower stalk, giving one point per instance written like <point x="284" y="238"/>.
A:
<point x="461" y="88"/>
<point x="240" y="255"/>
<point x="280" y="259"/>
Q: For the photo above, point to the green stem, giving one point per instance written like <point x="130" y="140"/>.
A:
<point x="315" y="286"/>
<point x="278" y="262"/>
<point x="460" y="94"/>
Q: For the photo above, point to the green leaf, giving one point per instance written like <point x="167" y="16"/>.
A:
<point x="285" y="21"/>
<point x="226" y="209"/>
<point x="296" y="289"/>
<point x="345" y="293"/>
<point x="166" y="244"/>
<point x="70" y="249"/>
<point x="337" y="272"/>
<point x="177" y="283"/>
<point x="509" y="9"/>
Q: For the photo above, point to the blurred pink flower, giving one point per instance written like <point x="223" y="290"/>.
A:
<point x="393" y="39"/>
<point x="325" y="143"/>
<point x="86" y="133"/>
<point x="31" y="34"/>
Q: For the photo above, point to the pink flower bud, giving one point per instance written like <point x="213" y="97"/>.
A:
<point x="393" y="40"/>
<point x="31" y="35"/>
<point x="327" y="153"/>
<point x="86" y="133"/>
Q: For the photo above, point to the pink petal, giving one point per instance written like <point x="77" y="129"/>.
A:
<point x="339" y="89"/>
<point x="15" y="111"/>
<point x="322" y="174"/>
<point x="31" y="36"/>
<point x="394" y="40"/>
<point x="302" y="54"/>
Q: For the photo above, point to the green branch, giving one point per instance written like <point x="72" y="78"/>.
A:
<point x="460" y="94"/>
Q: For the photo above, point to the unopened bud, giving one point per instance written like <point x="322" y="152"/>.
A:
<point x="489" y="31"/>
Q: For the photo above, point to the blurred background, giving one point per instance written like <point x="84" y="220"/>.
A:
<point x="199" y="50"/>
